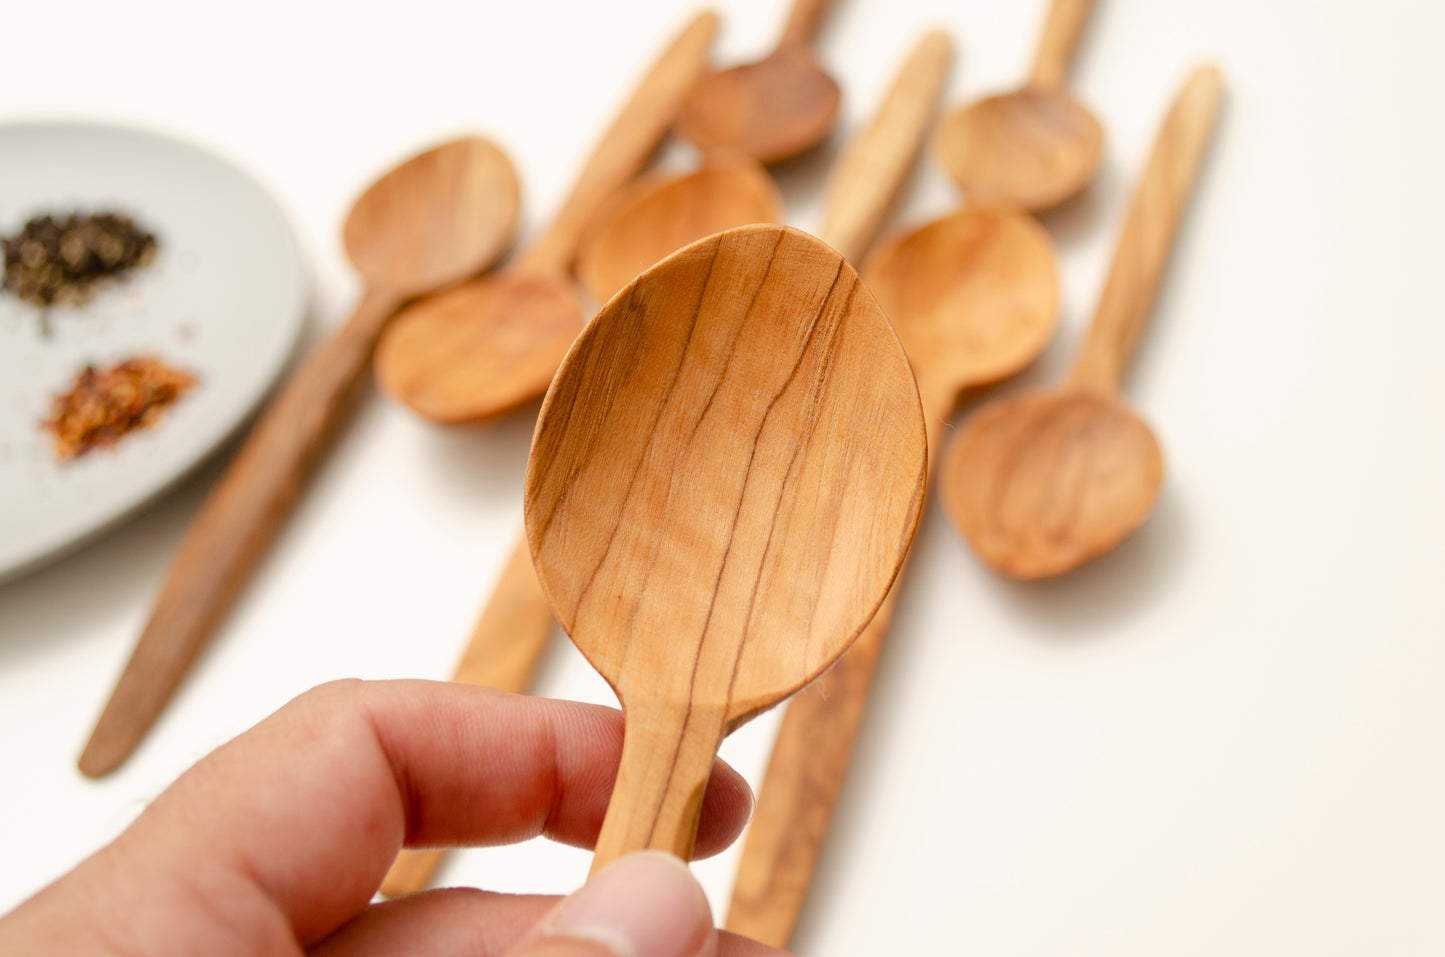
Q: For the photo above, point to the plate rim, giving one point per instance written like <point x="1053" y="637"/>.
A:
<point x="301" y="305"/>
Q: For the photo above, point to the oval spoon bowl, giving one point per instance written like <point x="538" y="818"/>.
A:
<point x="662" y="216"/>
<point x="1032" y="148"/>
<point x="1044" y="481"/>
<point x="771" y="110"/>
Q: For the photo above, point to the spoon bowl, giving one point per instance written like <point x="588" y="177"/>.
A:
<point x="661" y="215"/>
<point x="1037" y="146"/>
<point x="725" y="477"/>
<point x="482" y="349"/>
<point x="487" y="347"/>
<point x="974" y="297"/>
<point x="1045" y="481"/>
<point x="771" y="110"/>
<point x="436" y="219"/>
<point x="1032" y="148"/>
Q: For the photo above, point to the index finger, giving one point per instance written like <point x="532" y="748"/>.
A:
<point x="313" y="804"/>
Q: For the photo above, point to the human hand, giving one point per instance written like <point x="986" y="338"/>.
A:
<point x="276" y="843"/>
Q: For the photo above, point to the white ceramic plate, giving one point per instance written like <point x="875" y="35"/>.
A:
<point x="224" y="299"/>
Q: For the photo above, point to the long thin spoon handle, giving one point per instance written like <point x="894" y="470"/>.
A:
<point x="503" y="653"/>
<point x="233" y="528"/>
<point x="1061" y="35"/>
<point x="625" y="147"/>
<point x="803" y="21"/>
<point x="800" y="789"/>
<point x="1149" y="231"/>
<point x="808" y="765"/>
<point x="876" y="163"/>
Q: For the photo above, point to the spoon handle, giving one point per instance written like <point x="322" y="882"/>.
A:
<point x="1149" y="231"/>
<point x="809" y="763"/>
<point x="232" y="529"/>
<point x="803" y="21"/>
<point x="800" y="789"/>
<point x="1056" y="46"/>
<point x="874" y="165"/>
<point x="625" y="147"/>
<point x="503" y="652"/>
<point x="667" y="754"/>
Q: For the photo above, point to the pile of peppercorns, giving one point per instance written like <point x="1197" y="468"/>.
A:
<point x="64" y="261"/>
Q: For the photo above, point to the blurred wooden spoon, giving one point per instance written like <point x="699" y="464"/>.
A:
<point x="660" y="215"/>
<point x="755" y="365"/>
<point x="1032" y="148"/>
<point x="1042" y="482"/>
<point x="772" y="109"/>
<point x="436" y="219"/>
<point x="488" y="346"/>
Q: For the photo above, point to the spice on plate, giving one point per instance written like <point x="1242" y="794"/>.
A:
<point x="54" y="261"/>
<point x="103" y="405"/>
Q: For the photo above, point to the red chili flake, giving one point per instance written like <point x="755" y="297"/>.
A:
<point x="104" y="405"/>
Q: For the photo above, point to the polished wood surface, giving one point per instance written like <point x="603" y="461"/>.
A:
<point x="726" y="475"/>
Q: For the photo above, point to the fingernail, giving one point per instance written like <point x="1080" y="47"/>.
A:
<point x="646" y="904"/>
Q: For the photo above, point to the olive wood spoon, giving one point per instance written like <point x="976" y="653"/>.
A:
<point x="512" y="632"/>
<point x="774" y="108"/>
<point x="1037" y="146"/>
<point x="974" y="298"/>
<point x="725" y="477"/>
<point x="486" y="347"/>
<point x="659" y="215"/>
<point x="1044" y="481"/>
<point x="438" y="218"/>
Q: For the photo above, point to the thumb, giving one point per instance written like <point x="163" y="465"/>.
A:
<point x="646" y="904"/>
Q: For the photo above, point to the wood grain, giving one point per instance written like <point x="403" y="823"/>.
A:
<point x="438" y="217"/>
<point x="872" y="169"/>
<point x="485" y="348"/>
<point x="503" y="652"/>
<point x="695" y="499"/>
<point x="1056" y="46"/>
<point x="1042" y="482"/>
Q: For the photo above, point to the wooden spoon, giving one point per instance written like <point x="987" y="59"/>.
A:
<point x="437" y="218"/>
<point x="974" y="298"/>
<point x="774" y="108"/>
<point x="510" y="636"/>
<point x="1042" y="482"/>
<point x="660" y="215"/>
<point x="488" y="346"/>
<point x="726" y="475"/>
<point x="1037" y="146"/>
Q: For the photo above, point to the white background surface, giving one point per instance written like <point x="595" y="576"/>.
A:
<point x="1228" y="737"/>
